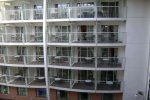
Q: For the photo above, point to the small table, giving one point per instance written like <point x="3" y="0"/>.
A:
<point x="88" y="81"/>
<point x="57" y="79"/>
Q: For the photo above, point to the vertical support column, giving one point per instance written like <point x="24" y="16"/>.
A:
<point x="45" y="47"/>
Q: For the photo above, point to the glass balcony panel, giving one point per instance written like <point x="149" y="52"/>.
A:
<point x="108" y="12"/>
<point x="34" y="59"/>
<point x="14" y="38"/>
<point x="38" y="38"/>
<point x="17" y="79"/>
<point x="62" y="37"/>
<point x="59" y="60"/>
<point x="109" y="85"/>
<point x="59" y="82"/>
<point x="83" y="37"/>
<point x="15" y="59"/>
<point x="37" y="81"/>
<point x="84" y="84"/>
<point x="38" y="14"/>
<point x="83" y="62"/>
<point x="110" y="62"/>
<point x="3" y="78"/>
<point x="55" y="13"/>
<point x="2" y="58"/>
<point x="82" y="12"/>
<point x="24" y="14"/>
<point x="110" y="37"/>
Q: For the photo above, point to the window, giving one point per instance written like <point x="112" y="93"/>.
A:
<point x="38" y="33"/>
<point x="109" y="52"/>
<point x="83" y="96"/>
<point x="62" y="95"/>
<point x="4" y="89"/>
<point x="2" y="50"/>
<point x="41" y="92"/>
<point x="108" y="76"/>
<point x="38" y="14"/>
<point x="107" y="97"/>
<point x="22" y="91"/>
<point x="63" y="51"/>
<point x="85" y="52"/>
<point x="85" y="75"/>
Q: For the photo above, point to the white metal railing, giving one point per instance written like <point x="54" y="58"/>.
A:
<point x="110" y="62"/>
<point x="24" y="14"/>
<point x="87" y="37"/>
<point x="87" y="12"/>
<point x="65" y="12"/>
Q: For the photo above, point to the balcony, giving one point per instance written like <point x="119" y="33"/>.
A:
<point x="21" y="38"/>
<point x="110" y="62"/>
<point x="37" y="81"/>
<point x="59" y="60"/>
<point x="32" y="38"/>
<point x="87" y="62"/>
<point x="110" y="37"/>
<point x="34" y="59"/>
<point x="83" y="62"/>
<point x="17" y="79"/>
<point x="59" y="82"/>
<point x="15" y="59"/>
<point x="83" y="37"/>
<point x="109" y="85"/>
<point x="24" y="14"/>
<point x="59" y="37"/>
<point x="3" y="78"/>
<point x="84" y="85"/>
<point x="87" y="37"/>
<point x="86" y="12"/>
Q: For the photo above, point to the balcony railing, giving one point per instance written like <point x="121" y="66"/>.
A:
<point x="59" y="37"/>
<point x="86" y="12"/>
<point x="21" y="38"/>
<point x="83" y="62"/>
<point x="86" y="84"/>
<point x="91" y="62"/>
<point x="37" y="81"/>
<point x="110" y="62"/>
<point x="65" y="12"/>
<point x="24" y="14"/>
<point x="87" y="37"/>
<point x="109" y="85"/>
<point x="59" y="60"/>
<point x="15" y="59"/>
<point x="34" y="59"/>
<point x="32" y="38"/>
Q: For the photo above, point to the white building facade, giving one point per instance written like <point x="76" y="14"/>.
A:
<point x="74" y="49"/>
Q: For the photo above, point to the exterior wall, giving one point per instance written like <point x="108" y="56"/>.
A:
<point x="95" y="96"/>
<point x="53" y="95"/>
<point x="118" y="96"/>
<point x="13" y="95"/>
<point x="72" y="96"/>
<point x="136" y="49"/>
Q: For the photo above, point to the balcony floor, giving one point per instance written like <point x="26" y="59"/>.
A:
<point x="36" y="63"/>
<point x="61" y="83"/>
<point x="3" y="79"/>
<point x="19" y="81"/>
<point x="102" y="65"/>
<point x="84" y="86"/>
<point x="15" y="62"/>
<point x="40" y="82"/>
<point x="60" y="64"/>
<point x="102" y="86"/>
<point x="80" y="64"/>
